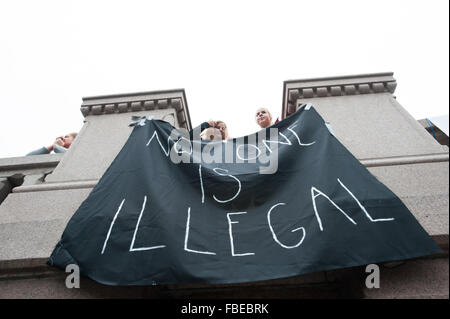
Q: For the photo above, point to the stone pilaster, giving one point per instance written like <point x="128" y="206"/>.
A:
<point x="335" y="86"/>
<point x="367" y="118"/>
<point x="33" y="217"/>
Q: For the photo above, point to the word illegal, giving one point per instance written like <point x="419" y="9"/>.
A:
<point x="232" y="221"/>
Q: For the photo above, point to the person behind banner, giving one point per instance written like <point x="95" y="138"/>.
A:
<point x="222" y="127"/>
<point x="264" y="118"/>
<point x="202" y="127"/>
<point x="60" y="145"/>
<point x="217" y="131"/>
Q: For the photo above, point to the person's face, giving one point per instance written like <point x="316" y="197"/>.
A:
<point x="222" y="128"/>
<point x="68" y="139"/>
<point x="263" y="118"/>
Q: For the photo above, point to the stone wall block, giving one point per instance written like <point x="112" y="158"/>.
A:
<point x="308" y="93"/>
<point x="293" y="95"/>
<point x="109" y="108"/>
<point x="97" y="109"/>
<point x="123" y="107"/>
<point x="391" y="86"/>
<point x="85" y="110"/>
<point x="378" y="87"/>
<point x="176" y="104"/>
<point x="181" y="117"/>
<point x="163" y="104"/>
<point x="136" y="106"/>
<point x="350" y="89"/>
<point x="321" y="92"/>
<point x="336" y="91"/>
<point x="364" y="88"/>
<point x="149" y="105"/>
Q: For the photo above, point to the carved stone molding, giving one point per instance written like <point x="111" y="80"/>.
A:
<point x="135" y="102"/>
<point x="335" y="87"/>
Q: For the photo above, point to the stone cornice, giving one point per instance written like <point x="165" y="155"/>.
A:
<point x="30" y="162"/>
<point x="334" y="87"/>
<point x="141" y="101"/>
<point x="370" y="162"/>
<point x="55" y="186"/>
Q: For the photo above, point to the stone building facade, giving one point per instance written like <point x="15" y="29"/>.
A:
<point x="365" y="117"/>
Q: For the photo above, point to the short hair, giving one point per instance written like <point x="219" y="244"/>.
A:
<point x="221" y="122"/>
<point x="265" y="109"/>
<point x="73" y="134"/>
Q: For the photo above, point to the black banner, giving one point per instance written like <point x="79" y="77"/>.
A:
<point x="285" y="201"/>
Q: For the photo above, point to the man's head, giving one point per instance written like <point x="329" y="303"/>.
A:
<point x="68" y="139"/>
<point x="222" y="127"/>
<point x="263" y="117"/>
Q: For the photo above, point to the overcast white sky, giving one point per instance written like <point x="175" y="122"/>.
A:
<point x="229" y="56"/>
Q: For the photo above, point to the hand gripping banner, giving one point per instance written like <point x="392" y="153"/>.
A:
<point x="285" y="201"/>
